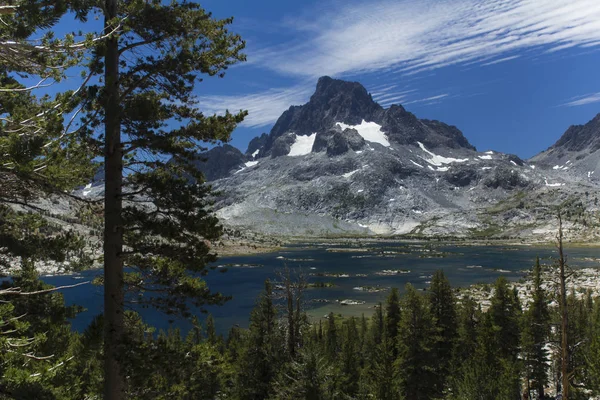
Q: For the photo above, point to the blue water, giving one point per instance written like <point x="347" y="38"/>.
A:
<point x="245" y="283"/>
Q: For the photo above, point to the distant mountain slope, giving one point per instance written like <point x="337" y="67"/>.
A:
<point x="576" y="152"/>
<point x="220" y="161"/>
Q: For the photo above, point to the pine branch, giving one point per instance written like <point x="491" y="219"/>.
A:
<point x="18" y="291"/>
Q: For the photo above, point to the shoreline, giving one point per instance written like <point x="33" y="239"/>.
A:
<point x="235" y="248"/>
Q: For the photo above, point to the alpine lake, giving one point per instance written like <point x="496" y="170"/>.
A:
<point x="355" y="276"/>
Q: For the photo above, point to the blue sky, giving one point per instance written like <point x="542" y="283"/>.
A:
<point x="513" y="75"/>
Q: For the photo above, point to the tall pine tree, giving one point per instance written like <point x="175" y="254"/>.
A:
<point x="392" y="317"/>
<point x="142" y="119"/>
<point x="443" y="309"/>
<point x="536" y="332"/>
<point x="262" y="353"/>
<point x="417" y="336"/>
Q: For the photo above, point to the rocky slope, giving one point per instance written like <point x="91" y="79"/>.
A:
<point x="343" y="165"/>
<point x="576" y="152"/>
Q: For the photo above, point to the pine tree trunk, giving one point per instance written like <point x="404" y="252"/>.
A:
<point x="564" y="314"/>
<point x="114" y="384"/>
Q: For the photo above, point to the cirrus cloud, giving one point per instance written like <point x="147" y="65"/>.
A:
<point x="417" y="35"/>
<point x="409" y="37"/>
<point x="583" y="100"/>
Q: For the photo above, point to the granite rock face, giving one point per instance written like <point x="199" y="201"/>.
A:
<point x="220" y="161"/>
<point x="576" y="152"/>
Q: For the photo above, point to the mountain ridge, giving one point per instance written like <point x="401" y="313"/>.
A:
<point x="343" y="165"/>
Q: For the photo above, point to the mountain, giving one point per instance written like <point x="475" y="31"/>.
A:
<point x="339" y="105"/>
<point x="576" y="152"/>
<point x="343" y="165"/>
<point x="220" y="161"/>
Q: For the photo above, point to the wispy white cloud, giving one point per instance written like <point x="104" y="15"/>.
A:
<point x="263" y="108"/>
<point x="501" y="60"/>
<point x="417" y="35"/>
<point x="395" y="96"/>
<point x="583" y="100"/>
<point x="383" y="90"/>
<point x="410" y="37"/>
<point x="428" y="99"/>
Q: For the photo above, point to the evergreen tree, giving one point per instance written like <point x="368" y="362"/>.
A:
<point x="364" y="339"/>
<point x="140" y="116"/>
<point x="350" y="358"/>
<point x="309" y="377"/>
<point x="392" y="317"/>
<point x="377" y="325"/>
<point x="383" y="376"/>
<point x="592" y="357"/>
<point x="487" y="375"/>
<point x="505" y="314"/>
<point x="211" y="333"/>
<point x="195" y="334"/>
<point x="417" y="336"/>
<point x="331" y="338"/>
<point x="468" y="319"/>
<point x="261" y="357"/>
<point x="39" y="157"/>
<point x="443" y="308"/>
<point x="38" y="360"/>
<point x="536" y="331"/>
<point x="234" y="344"/>
<point x="38" y="160"/>
<point x="320" y="331"/>
<point x="579" y="339"/>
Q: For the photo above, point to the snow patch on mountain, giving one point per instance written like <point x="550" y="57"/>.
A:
<point x="87" y="190"/>
<point x="302" y="146"/>
<point x="438" y="160"/>
<point x="553" y="184"/>
<point x="349" y="174"/>
<point x="370" y="131"/>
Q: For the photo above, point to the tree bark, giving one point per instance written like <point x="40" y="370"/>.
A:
<point x="564" y="314"/>
<point x="114" y="382"/>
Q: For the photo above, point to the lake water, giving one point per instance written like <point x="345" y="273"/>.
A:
<point x="340" y="263"/>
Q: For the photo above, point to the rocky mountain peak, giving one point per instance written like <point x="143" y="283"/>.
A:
<point x="333" y="101"/>
<point x="349" y="103"/>
<point x="580" y="137"/>
<point x="220" y="161"/>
